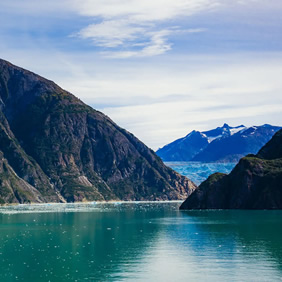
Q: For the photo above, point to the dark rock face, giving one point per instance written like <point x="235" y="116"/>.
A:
<point x="255" y="183"/>
<point x="223" y="144"/>
<point x="63" y="150"/>
<point x="272" y="150"/>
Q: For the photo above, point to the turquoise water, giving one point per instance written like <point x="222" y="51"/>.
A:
<point x="198" y="172"/>
<point x="138" y="242"/>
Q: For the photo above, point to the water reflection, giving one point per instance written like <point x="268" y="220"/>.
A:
<point x="80" y="245"/>
<point x="237" y="244"/>
<point x="145" y="242"/>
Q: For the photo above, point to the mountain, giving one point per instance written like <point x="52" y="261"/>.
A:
<point x="55" y="148"/>
<point x="223" y="144"/>
<point x="255" y="183"/>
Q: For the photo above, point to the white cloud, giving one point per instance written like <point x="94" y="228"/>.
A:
<point x="127" y="28"/>
<point x="111" y="33"/>
<point x="129" y="25"/>
<point x="138" y="38"/>
<point x="156" y="46"/>
<point x="132" y="24"/>
<point x="114" y="33"/>
<point x="143" y="11"/>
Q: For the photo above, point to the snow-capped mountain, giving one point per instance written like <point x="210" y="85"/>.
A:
<point x="224" y="131"/>
<point x="224" y="143"/>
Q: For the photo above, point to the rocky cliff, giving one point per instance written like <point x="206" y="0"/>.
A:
<point x="55" y="148"/>
<point x="255" y="183"/>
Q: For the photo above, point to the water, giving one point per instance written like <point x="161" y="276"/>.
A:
<point x="138" y="242"/>
<point x="198" y="172"/>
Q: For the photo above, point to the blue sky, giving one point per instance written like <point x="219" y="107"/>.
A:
<point x="158" y="68"/>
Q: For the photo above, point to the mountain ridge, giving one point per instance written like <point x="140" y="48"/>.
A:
<point x="68" y="151"/>
<point x="222" y="144"/>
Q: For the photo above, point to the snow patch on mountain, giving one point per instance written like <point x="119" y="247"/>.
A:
<point x="211" y="139"/>
<point x="235" y="130"/>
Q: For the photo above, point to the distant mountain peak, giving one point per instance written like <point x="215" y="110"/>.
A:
<point x="220" y="144"/>
<point x="191" y="133"/>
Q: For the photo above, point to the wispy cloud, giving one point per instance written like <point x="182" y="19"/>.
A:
<point x="145" y="10"/>
<point x="139" y="40"/>
<point x="134" y="28"/>
<point x="137" y="28"/>
<point x="112" y="33"/>
<point x="125" y="28"/>
<point x="157" y="45"/>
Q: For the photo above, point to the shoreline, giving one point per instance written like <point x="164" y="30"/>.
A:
<point x="91" y="202"/>
<point x="72" y="207"/>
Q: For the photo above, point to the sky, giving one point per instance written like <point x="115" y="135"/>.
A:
<point x="159" y="69"/>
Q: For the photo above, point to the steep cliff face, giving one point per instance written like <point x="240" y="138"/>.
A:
<point x="66" y="151"/>
<point x="255" y="183"/>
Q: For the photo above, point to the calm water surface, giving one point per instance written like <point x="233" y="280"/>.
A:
<point x="138" y="242"/>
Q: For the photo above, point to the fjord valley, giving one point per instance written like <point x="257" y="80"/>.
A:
<point x="140" y="141"/>
<point x="55" y="148"/>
